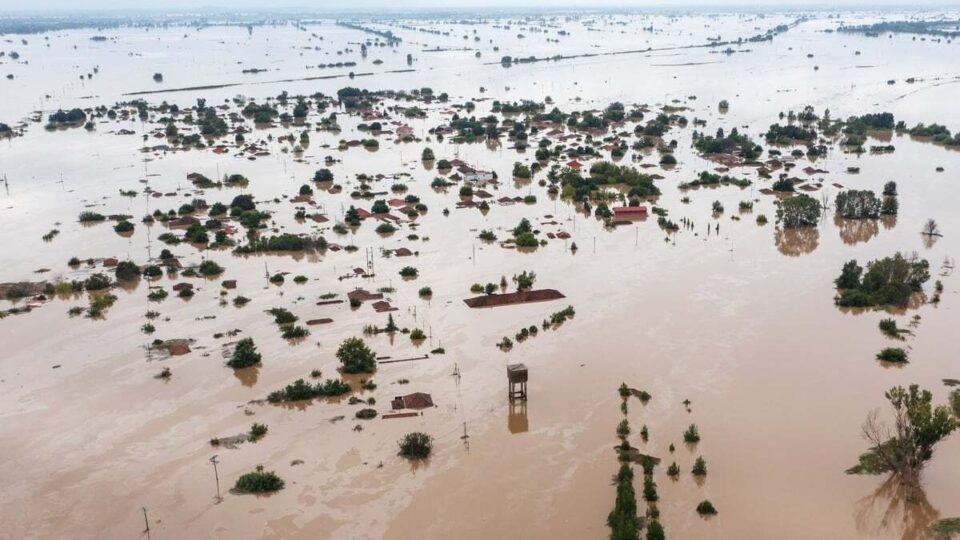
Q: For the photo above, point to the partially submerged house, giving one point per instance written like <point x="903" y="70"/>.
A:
<point x="416" y="400"/>
<point x="629" y="211"/>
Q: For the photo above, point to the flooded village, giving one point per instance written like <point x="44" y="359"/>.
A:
<point x="518" y="273"/>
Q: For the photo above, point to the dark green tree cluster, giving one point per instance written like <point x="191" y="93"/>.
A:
<point x="244" y="354"/>
<point x="622" y="520"/>
<point x="789" y="133"/>
<point x="356" y="357"/>
<point x="416" y="445"/>
<point x="858" y="204"/>
<point x="798" y="211"/>
<point x="732" y="143"/>
<point x="887" y="281"/>
<point x="301" y="390"/>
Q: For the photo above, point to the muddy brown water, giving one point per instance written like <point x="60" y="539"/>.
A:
<point x="741" y="323"/>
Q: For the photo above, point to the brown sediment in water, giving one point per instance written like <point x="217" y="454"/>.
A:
<point x="741" y="322"/>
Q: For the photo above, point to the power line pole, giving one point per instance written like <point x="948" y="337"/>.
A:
<point x="146" y="522"/>
<point x="216" y="474"/>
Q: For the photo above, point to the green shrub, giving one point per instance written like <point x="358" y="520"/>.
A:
<point x="425" y="292"/>
<point x="699" y="467"/>
<point x="210" y="268"/>
<point x="257" y="431"/>
<point x="673" y="470"/>
<point x="366" y="414"/>
<point x="409" y="271"/>
<point x="123" y="227"/>
<point x="294" y="332"/>
<point x="417" y="335"/>
<point x="526" y="239"/>
<point x="892" y="354"/>
<point x="91" y="217"/>
<point x="705" y="508"/>
<point x="385" y="228"/>
<point x="259" y="481"/>
<point x="692" y="434"/>
<point x="157" y="294"/>
<point x="854" y="298"/>
<point x="100" y="303"/>
<point x="283" y="316"/>
<point x="889" y="327"/>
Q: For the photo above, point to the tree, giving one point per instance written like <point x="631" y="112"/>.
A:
<point x="904" y="448"/>
<point x="931" y="228"/>
<point x="127" y="270"/>
<point x="356" y="357"/>
<point x="890" y="206"/>
<point x="622" y="520"/>
<point x="243" y="202"/>
<point x="524" y="280"/>
<point x="391" y="326"/>
<point x="526" y="239"/>
<point x="520" y="170"/>
<point x="887" y="281"/>
<point x="244" y="354"/>
<point x="798" y="211"/>
<point x="858" y="204"/>
<point x="416" y="445"/>
<point x="849" y="276"/>
<point x="380" y="207"/>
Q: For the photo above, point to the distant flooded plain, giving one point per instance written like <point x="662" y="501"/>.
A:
<point x="735" y="316"/>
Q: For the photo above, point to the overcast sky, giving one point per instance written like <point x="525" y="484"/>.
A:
<point x="394" y="5"/>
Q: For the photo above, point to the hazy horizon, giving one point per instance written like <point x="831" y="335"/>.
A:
<point x="8" y="6"/>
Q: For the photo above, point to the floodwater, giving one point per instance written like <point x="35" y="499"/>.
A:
<point x="741" y="321"/>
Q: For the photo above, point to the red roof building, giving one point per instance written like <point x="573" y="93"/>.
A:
<point x="629" y="211"/>
<point x="416" y="400"/>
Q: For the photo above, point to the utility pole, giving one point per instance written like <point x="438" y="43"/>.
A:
<point x="146" y="522"/>
<point x="216" y="474"/>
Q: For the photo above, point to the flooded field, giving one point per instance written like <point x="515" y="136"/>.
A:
<point x="727" y="320"/>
